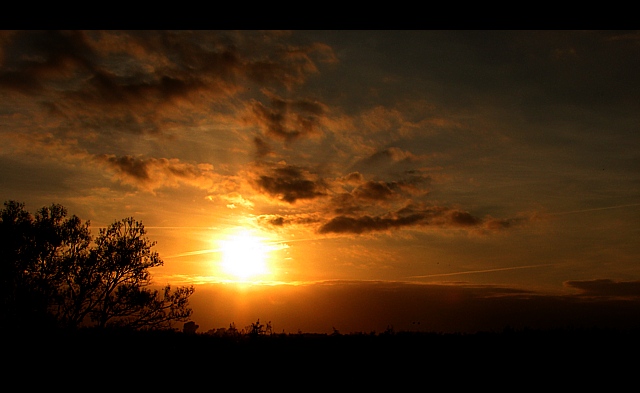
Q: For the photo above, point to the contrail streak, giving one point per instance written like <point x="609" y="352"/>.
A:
<point x="189" y="253"/>
<point x="482" y="271"/>
<point x="595" y="209"/>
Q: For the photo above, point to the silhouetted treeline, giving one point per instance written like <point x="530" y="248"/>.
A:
<point x="157" y="359"/>
<point x="170" y="340"/>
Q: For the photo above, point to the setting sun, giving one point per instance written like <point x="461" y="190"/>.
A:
<point x="244" y="255"/>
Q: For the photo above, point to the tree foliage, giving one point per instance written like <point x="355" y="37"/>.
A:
<point x="54" y="273"/>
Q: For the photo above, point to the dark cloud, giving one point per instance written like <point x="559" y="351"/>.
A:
<point x="107" y="88"/>
<point x="290" y="184"/>
<point x="276" y="220"/>
<point x="288" y="65"/>
<point x="410" y="216"/>
<point x="129" y="166"/>
<point x="152" y="173"/>
<point x="376" y="190"/>
<point x="287" y="120"/>
<point x="353" y="177"/>
<point x="392" y="154"/>
<point x="415" y="178"/>
<point x="344" y="224"/>
<point x="262" y="147"/>
<point x="144" y="81"/>
<point x="345" y="203"/>
<point x="496" y="224"/>
<point x="606" y="288"/>
<point x="373" y="194"/>
<point x="385" y="190"/>
<point x="34" y="58"/>
<point x="391" y="157"/>
<point x="464" y="218"/>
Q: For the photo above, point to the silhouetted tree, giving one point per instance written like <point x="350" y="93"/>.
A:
<point x="268" y="329"/>
<point x="50" y="272"/>
<point x="232" y="329"/>
<point x="190" y="327"/>
<point x="255" y="329"/>
<point x="35" y="255"/>
<point x="116" y="277"/>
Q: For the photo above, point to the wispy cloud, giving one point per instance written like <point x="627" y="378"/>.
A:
<point x="606" y="288"/>
<point x="595" y="209"/>
<point x="287" y="120"/>
<point x="145" y="82"/>
<point x="152" y="173"/>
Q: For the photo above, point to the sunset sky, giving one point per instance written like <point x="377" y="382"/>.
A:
<point x="428" y="180"/>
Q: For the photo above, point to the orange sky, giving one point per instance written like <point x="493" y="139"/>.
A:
<point x="392" y="177"/>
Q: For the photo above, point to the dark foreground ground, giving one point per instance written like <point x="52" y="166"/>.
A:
<point x="510" y="360"/>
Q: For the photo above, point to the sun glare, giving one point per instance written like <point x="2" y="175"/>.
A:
<point x="244" y="256"/>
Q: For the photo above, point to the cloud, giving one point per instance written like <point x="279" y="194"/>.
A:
<point x="383" y="190"/>
<point x="288" y="65"/>
<point x="353" y="178"/>
<point x="262" y="148"/>
<point x="364" y="195"/>
<point x="275" y="221"/>
<point x="376" y="190"/>
<point x="390" y="159"/>
<point x="356" y="206"/>
<point x="233" y="200"/>
<point x="413" y="215"/>
<point x="391" y="154"/>
<point x="279" y="220"/>
<point x="129" y="167"/>
<point x="344" y="224"/>
<point x="290" y="183"/>
<point x="145" y="173"/>
<point x="153" y="173"/>
<point x="146" y="82"/>
<point x="32" y="59"/>
<point x="287" y="120"/>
